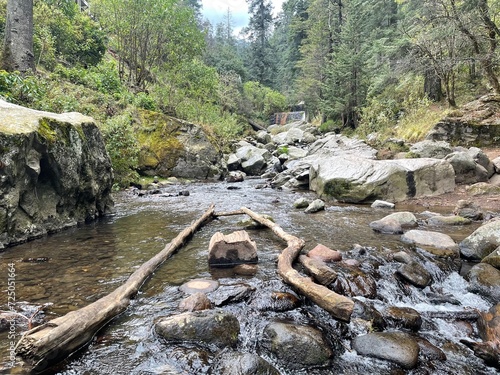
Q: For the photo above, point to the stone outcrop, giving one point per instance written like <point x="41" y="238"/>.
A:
<point x="476" y="124"/>
<point x="172" y="147"/>
<point x="54" y="172"/>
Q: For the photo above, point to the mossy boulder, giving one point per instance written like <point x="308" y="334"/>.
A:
<point x="172" y="147"/>
<point x="356" y="180"/>
<point x="54" y="172"/>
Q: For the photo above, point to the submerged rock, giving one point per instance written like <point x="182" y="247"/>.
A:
<point x="211" y="327"/>
<point x="54" y="172"/>
<point x="397" y="347"/>
<point x="415" y="274"/>
<point x="234" y="363"/>
<point x="296" y="345"/>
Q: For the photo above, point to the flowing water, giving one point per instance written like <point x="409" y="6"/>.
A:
<point x="73" y="268"/>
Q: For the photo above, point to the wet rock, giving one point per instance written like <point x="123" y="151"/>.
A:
<point x="211" y="327"/>
<point x="493" y="259"/>
<point x="321" y="272"/>
<point x="315" y="206"/>
<point x="368" y="313"/>
<point x="448" y="220"/>
<point x="199" y="285"/>
<point x="296" y="345"/>
<point x="235" y="176"/>
<point x="231" y="294"/>
<point x="483" y="188"/>
<point x="468" y="210"/>
<point x="275" y="300"/>
<point x="431" y="149"/>
<point x="301" y="203"/>
<point x="352" y="282"/>
<point x="232" y="249"/>
<point x="402" y="317"/>
<point x="429" y="351"/>
<point x="397" y="347"/>
<point x="195" y="302"/>
<point x="415" y="274"/>
<point x="484" y="279"/>
<point x="439" y="244"/>
<point x="325" y="254"/>
<point x="382" y="204"/>
<point x="482" y="242"/>
<point x="249" y="223"/>
<point x="402" y="257"/>
<point x="467" y="171"/>
<point x="234" y="363"/>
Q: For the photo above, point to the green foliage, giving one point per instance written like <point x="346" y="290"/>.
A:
<point x="330" y="126"/>
<point x="18" y="89"/>
<point x="122" y="147"/>
<point x="262" y="101"/>
<point x="64" y="33"/>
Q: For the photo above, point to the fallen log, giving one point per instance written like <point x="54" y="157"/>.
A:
<point x="45" y="345"/>
<point x="340" y="307"/>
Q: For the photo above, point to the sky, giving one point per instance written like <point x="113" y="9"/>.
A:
<point x="216" y="10"/>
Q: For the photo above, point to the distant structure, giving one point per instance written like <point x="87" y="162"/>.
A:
<point x="83" y="4"/>
<point x="297" y="114"/>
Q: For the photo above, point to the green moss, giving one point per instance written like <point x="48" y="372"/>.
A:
<point x="46" y="130"/>
<point x="337" y="188"/>
<point x="52" y="131"/>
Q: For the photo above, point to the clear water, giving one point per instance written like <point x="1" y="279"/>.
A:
<point x="88" y="262"/>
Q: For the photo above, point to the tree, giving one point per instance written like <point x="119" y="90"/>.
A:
<point x="259" y="30"/>
<point x="18" y="43"/>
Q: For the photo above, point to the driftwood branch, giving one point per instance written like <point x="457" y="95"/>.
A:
<point x="340" y="307"/>
<point x="49" y="343"/>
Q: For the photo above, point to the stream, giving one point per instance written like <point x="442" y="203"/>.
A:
<point x="71" y="269"/>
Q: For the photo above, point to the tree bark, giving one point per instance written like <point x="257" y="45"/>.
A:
<point x="18" y="43"/>
<point x="53" y="341"/>
<point x="338" y="306"/>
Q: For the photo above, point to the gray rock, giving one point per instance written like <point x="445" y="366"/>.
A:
<point x="315" y="206"/>
<point x="483" y="188"/>
<point x="468" y="210"/>
<point x="253" y="159"/>
<point x="495" y="180"/>
<point x="235" y="176"/>
<point x="337" y="145"/>
<point x="301" y="203"/>
<point x="296" y="153"/>
<point x="394" y="223"/>
<point x="402" y="257"/>
<point x="484" y="279"/>
<point x="466" y="169"/>
<point x="382" y="204"/>
<point x="263" y="137"/>
<point x="431" y="149"/>
<point x="439" y="244"/>
<point x="291" y="136"/>
<point x="482" y="242"/>
<point x="496" y="163"/>
<point x="355" y="180"/>
<point x="397" y="347"/>
<point x="195" y="302"/>
<point x="234" y="363"/>
<point x="210" y="327"/>
<point x="415" y="274"/>
<point x="296" y="345"/>
<point x="55" y="172"/>
<point x="493" y="259"/>
<point x="448" y="220"/>
<point x="233" y="162"/>
<point x="482" y="159"/>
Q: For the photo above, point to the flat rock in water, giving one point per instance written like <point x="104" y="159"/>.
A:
<point x="211" y="327"/>
<point x="448" y="220"/>
<point x="234" y="363"/>
<point x="415" y="274"/>
<point x="382" y="204"/>
<point x="397" y="347"/>
<point x="199" y="285"/>
<point x="439" y="244"/>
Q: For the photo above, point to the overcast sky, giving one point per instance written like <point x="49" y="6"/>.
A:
<point x="216" y="10"/>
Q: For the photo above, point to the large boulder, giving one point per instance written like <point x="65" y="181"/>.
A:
<point x="335" y="145"/>
<point x="466" y="169"/>
<point x="253" y="159"/>
<point x="484" y="279"/>
<point x="353" y="179"/>
<point x="482" y="242"/>
<point x="172" y="147"/>
<point x="431" y="149"/>
<point x="54" y="172"/>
